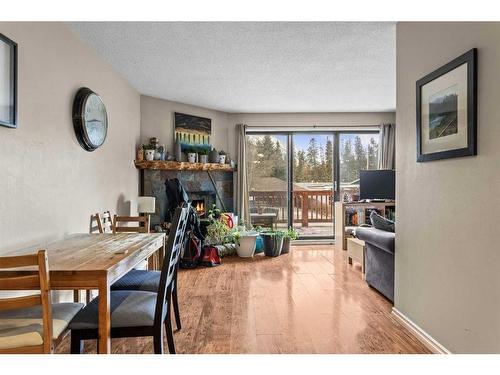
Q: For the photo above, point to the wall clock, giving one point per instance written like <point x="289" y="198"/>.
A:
<point x="90" y="119"/>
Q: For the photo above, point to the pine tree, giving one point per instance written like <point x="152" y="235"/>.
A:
<point x="360" y="155"/>
<point x="279" y="162"/>
<point x="347" y="162"/>
<point x="372" y="154"/>
<point x="301" y="173"/>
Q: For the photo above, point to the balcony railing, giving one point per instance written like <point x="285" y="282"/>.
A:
<point x="308" y="206"/>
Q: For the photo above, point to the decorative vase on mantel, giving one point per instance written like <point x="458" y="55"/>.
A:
<point x="178" y="151"/>
<point x="213" y="156"/>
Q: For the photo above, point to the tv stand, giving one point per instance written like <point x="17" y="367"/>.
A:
<point x="360" y="211"/>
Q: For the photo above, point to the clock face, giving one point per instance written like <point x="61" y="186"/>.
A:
<point x="95" y="120"/>
<point x="90" y="119"/>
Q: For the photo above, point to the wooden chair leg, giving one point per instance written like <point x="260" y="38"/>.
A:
<point x="170" y="333"/>
<point x="175" y="303"/>
<point x="76" y="344"/>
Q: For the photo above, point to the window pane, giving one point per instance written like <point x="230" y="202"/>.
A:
<point x="358" y="151"/>
<point x="268" y="180"/>
<point x="313" y="184"/>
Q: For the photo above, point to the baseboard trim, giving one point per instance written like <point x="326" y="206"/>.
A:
<point x="422" y="336"/>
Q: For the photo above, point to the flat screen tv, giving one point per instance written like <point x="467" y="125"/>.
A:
<point x="377" y="185"/>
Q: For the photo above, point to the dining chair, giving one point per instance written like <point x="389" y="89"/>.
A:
<point x="31" y="323"/>
<point x="149" y="280"/>
<point x="137" y="313"/>
<point x="101" y="223"/>
<point x="141" y="227"/>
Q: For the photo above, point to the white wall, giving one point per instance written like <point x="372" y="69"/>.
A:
<point x="447" y="250"/>
<point x="49" y="185"/>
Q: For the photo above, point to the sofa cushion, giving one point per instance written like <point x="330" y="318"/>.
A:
<point x="379" y="238"/>
<point x="381" y="222"/>
<point x="24" y="327"/>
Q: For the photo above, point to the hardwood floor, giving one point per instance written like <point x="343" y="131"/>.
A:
<point x="308" y="301"/>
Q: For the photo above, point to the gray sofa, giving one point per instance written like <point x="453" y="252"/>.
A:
<point x="379" y="259"/>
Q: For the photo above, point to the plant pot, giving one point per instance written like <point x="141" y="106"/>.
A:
<point x="204" y="159"/>
<point x="286" y="245"/>
<point x="192" y="157"/>
<point x="157" y="155"/>
<point x="246" y="247"/>
<point x="149" y="155"/>
<point x="259" y="245"/>
<point x="222" y="159"/>
<point x="272" y="244"/>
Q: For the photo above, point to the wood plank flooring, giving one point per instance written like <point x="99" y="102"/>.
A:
<point x="308" y="301"/>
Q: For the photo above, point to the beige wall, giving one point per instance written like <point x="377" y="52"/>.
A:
<point x="157" y="120"/>
<point x="447" y="250"/>
<point x="49" y="185"/>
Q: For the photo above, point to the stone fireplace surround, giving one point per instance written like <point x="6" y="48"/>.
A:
<point x="197" y="184"/>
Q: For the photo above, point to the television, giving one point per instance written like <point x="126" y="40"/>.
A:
<point x="377" y="185"/>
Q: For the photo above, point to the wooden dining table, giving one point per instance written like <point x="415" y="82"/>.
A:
<point x="96" y="261"/>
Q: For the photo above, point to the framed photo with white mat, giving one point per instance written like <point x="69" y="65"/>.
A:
<point x="447" y="110"/>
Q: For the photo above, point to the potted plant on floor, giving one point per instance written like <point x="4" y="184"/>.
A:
<point x="273" y="242"/>
<point x="290" y="235"/>
<point x="245" y="242"/>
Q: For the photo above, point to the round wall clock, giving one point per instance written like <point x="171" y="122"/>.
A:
<point x="90" y="119"/>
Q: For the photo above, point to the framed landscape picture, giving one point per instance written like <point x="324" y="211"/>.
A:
<point x="447" y="110"/>
<point x="8" y="82"/>
<point x="192" y="131"/>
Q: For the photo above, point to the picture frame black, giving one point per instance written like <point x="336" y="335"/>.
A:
<point x="11" y="122"/>
<point x="469" y="58"/>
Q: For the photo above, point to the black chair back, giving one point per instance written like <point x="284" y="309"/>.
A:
<point x="173" y="250"/>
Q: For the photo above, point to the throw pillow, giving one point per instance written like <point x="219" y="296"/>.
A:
<point x="381" y="222"/>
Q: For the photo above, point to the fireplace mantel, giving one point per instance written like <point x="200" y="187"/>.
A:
<point x="182" y="166"/>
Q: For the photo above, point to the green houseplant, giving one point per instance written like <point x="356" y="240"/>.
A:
<point x="290" y="235"/>
<point x="149" y="152"/>
<point x="222" y="157"/>
<point x="273" y="242"/>
<point x="203" y="155"/>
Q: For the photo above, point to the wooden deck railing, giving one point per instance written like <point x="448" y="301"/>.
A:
<point x="309" y="206"/>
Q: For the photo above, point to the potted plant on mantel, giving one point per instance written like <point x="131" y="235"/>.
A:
<point x="222" y="157"/>
<point x="203" y="155"/>
<point x="149" y="152"/>
<point x="192" y="155"/>
<point x="290" y="235"/>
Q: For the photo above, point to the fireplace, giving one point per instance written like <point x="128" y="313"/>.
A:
<point x="202" y="201"/>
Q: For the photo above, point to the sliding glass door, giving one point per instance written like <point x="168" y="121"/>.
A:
<point x="313" y="183"/>
<point x="267" y="166"/>
<point x="293" y="177"/>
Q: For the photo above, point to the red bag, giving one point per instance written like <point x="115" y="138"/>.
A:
<point x="191" y="255"/>
<point x="210" y="256"/>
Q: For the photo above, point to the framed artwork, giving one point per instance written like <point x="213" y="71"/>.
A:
<point x="192" y="131"/>
<point x="447" y="110"/>
<point x="8" y="82"/>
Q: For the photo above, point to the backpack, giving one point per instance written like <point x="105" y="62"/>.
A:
<point x="191" y="254"/>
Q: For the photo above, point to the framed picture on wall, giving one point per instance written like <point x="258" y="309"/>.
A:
<point x="192" y="131"/>
<point x="8" y="82"/>
<point x="447" y="110"/>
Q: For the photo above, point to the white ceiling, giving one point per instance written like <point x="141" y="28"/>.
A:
<point x="254" y="66"/>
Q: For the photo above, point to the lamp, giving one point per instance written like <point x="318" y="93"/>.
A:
<point x="146" y="205"/>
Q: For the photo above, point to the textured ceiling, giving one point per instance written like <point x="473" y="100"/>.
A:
<point x="254" y="66"/>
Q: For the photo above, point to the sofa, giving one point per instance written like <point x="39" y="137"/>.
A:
<point x="379" y="259"/>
